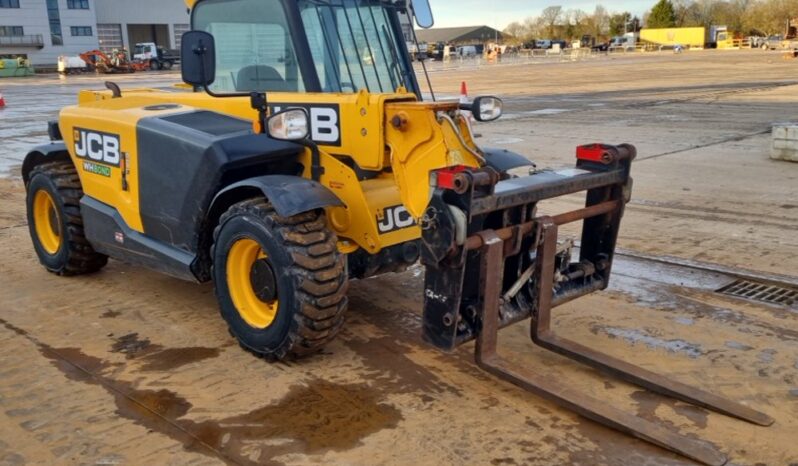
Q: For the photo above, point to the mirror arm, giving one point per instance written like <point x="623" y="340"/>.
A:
<point x="258" y="102"/>
<point x="200" y="50"/>
<point x="316" y="170"/>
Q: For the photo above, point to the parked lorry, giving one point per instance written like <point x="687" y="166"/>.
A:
<point x="157" y="57"/>
<point x="713" y="37"/>
<point x="670" y="37"/>
<point x="71" y="64"/>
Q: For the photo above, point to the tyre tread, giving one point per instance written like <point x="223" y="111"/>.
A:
<point x="82" y="258"/>
<point x="318" y="268"/>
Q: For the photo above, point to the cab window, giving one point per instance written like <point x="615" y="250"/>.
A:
<point x="254" y="51"/>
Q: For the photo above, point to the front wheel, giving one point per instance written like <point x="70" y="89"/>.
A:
<point x="55" y="222"/>
<point x="280" y="281"/>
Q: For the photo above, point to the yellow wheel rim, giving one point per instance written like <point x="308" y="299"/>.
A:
<point x="47" y="222"/>
<point x="240" y="262"/>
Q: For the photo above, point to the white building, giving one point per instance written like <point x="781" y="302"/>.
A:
<point x="42" y="30"/>
<point x="124" y="23"/>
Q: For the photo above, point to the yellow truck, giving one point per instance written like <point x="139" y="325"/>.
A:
<point x="669" y="37"/>
<point x="692" y="37"/>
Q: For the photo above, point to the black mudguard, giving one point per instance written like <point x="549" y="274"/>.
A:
<point x="502" y="159"/>
<point x="51" y="152"/>
<point x="290" y="195"/>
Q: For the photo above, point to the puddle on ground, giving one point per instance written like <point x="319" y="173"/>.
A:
<point x="390" y="369"/>
<point x="157" y="358"/>
<point x="109" y="314"/>
<point x="172" y="358"/>
<point x="311" y="418"/>
<point x="130" y="345"/>
<point x="648" y="402"/>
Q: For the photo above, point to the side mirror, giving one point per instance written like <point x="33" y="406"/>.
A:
<point x="487" y="108"/>
<point x="198" y="58"/>
<point x="423" y="13"/>
<point x="289" y="125"/>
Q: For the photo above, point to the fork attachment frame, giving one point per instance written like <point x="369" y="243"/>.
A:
<point x="491" y="260"/>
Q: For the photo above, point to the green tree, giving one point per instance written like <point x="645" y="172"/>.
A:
<point x="619" y="23"/>
<point x="662" y="15"/>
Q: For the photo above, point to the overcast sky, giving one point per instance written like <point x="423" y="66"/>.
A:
<point x="500" y="13"/>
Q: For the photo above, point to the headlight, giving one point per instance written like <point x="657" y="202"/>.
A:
<point x="289" y="125"/>
<point x="487" y="108"/>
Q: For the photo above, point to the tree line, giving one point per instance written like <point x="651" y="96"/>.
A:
<point x="742" y="17"/>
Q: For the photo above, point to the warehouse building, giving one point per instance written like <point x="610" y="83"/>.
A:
<point x="42" y="30"/>
<point x="124" y="23"/>
<point x="467" y="35"/>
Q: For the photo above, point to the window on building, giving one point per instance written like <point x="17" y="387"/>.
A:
<point x="109" y="36"/>
<point x="78" y="4"/>
<point x="78" y="31"/>
<point x="180" y="29"/>
<point x="6" y="31"/>
<point x="55" y="22"/>
<point x="9" y="3"/>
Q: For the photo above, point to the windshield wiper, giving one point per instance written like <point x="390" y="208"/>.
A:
<point x="404" y="78"/>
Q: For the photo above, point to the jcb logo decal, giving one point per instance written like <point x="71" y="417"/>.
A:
<point x="97" y="146"/>
<point x="395" y="218"/>
<point x="325" y="121"/>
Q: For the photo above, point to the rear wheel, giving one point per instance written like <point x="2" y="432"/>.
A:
<point x="154" y="65"/>
<point x="55" y="223"/>
<point x="280" y="281"/>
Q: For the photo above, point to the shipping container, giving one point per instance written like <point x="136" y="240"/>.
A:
<point x="686" y="37"/>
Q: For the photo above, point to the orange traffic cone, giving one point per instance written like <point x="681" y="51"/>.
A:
<point x="2" y="101"/>
<point x="464" y="100"/>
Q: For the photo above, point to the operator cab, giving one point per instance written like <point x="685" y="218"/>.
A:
<point x="309" y="45"/>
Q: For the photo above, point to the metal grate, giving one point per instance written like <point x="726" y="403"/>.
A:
<point x="772" y="294"/>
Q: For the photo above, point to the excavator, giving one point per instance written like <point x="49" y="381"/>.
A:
<point x="117" y="62"/>
<point x="300" y="153"/>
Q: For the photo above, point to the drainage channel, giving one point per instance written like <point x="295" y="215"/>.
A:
<point x="631" y="268"/>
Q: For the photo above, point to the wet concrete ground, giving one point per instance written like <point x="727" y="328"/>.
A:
<point x="130" y="367"/>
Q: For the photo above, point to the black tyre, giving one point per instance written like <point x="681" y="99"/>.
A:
<point x="280" y="282"/>
<point x="155" y="65"/>
<point x="55" y="223"/>
<point x="167" y="65"/>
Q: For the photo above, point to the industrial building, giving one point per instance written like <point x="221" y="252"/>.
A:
<point x="42" y="30"/>
<point x="468" y="35"/>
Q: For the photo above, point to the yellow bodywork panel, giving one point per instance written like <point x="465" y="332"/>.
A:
<point x="396" y="155"/>
<point x="360" y="121"/>
<point x="423" y="137"/>
<point x="90" y="128"/>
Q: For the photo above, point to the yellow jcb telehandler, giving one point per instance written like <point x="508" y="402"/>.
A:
<point x="299" y="154"/>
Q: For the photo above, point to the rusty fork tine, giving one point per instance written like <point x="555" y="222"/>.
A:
<point x="543" y="336"/>
<point x="589" y="407"/>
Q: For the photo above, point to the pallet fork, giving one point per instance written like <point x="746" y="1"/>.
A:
<point x="492" y="261"/>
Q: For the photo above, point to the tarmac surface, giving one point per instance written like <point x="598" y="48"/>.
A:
<point x="127" y="366"/>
